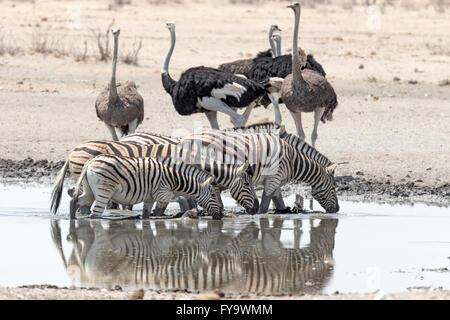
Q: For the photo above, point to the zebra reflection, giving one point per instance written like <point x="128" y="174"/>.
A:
<point x="198" y="255"/>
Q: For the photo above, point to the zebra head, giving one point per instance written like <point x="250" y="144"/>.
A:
<point x="242" y="188"/>
<point x="208" y="199"/>
<point x="324" y="191"/>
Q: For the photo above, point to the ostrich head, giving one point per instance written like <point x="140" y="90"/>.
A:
<point x="274" y="28"/>
<point x="170" y="26"/>
<point x="115" y="31"/>
<point x="295" y="6"/>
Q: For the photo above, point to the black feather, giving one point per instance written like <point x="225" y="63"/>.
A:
<point x="198" y="82"/>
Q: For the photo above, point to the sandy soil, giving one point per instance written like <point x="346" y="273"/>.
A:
<point x="54" y="293"/>
<point x="389" y="130"/>
<point x="389" y="72"/>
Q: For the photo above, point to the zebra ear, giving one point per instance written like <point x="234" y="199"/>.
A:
<point x="331" y="168"/>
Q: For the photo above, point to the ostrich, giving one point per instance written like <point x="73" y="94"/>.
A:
<point x="306" y="90"/>
<point x="209" y="90"/>
<point x="276" y="39"/>
<point x="244" y="65"/>
<point x="120" y="105"/>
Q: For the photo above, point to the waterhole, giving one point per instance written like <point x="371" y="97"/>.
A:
<point x="364" y="248"/>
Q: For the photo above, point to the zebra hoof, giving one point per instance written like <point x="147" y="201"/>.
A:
<point x="283" y="211"/>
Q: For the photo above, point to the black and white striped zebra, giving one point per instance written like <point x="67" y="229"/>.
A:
<point x="149" y="138"/>
<point x="274" y="163"/>
<point x="292" y="139"/>
<point x="236" y="178"/>
<point x="133" y="180"/>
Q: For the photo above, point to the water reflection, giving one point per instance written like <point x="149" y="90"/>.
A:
<point x="200" y="254"/>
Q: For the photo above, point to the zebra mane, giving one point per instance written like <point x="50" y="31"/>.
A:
<point x="175" y="162"/>
<point x="307" y="149"/>
<point x="153" y="134"/>
<point x="264" y="127"/>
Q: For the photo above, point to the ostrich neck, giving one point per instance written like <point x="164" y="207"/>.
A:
<point x="112" y="87"/>
<point x="296" y="64"/>
<point x="165" y="69"/>
<point x="272" y="44"/>
<point x="279" y="47"/>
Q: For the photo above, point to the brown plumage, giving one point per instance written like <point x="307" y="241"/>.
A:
<point x="306" y="90"/>
<point x="118" y="113"/>
<point x="120" y="105"/>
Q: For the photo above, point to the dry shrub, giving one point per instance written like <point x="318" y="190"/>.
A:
<point x="81" y="56"/>
<point x="131" y="57"/>
<point x="103" y="42"/>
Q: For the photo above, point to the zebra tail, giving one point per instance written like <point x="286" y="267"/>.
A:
<point x="74" y="201"/>
<point x="57" y="189"/>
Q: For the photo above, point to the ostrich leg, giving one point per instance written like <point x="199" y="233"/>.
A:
<point x="276" y="108"/>
<point x="298" y="123"/>
<point x="113" y="132"/>
<point x="317" y="115"/>
<point x="132" y="126"/>
<point x="218" y="105"/>
<point x="212" y="118"/>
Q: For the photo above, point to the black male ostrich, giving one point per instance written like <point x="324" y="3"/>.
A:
<point x="208" y="90"/>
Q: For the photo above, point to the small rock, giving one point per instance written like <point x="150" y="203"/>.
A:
<point x="138" y="295"/>
<point x="396" y="79"/>
<point x="412" y="82"/>
<point x="361" y="66"/>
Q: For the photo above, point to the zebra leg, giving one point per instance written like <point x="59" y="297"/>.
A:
<point x="214" y="104"/>
<point x="160" y="208"/>
<point x="212" y="118"/>
<point x="113" y="132"/>
<point x="127" y="207"/>
<point x="265" y="202"/>
<point x="191" y="202"/>
<point x="317" y="115"/>
<point x="147" y="211"/>
<point x="99" y="207"/>
<point x="298" y="124"/>
<point x="278" y="201"/>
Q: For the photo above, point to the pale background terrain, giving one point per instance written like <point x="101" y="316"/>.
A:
<point x="381" y="127"/>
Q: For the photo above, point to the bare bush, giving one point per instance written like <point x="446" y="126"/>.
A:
<point x="103" y="42"/>
<point x="131" y="57"/>
<point x="40" y="43"/>
<point x="81" y="56"/>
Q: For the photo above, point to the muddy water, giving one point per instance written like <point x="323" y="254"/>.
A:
<point x="364" y="248"/>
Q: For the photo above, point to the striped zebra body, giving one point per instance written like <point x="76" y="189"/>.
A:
<point x="292" y="139"/>
<point x="149" y="138"/>
<point x="274" y="162"/>
<point x="133" y="180"/>
<point x="84" y="152"/>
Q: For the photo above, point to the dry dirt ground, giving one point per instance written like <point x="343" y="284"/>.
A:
<point x="53" y="293"/>
<point x="390" y="71"/>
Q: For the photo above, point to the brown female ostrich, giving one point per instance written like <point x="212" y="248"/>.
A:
<point x="242" y="66"/>
<point x="120" y="105"/>
<point x="306" y="90"/>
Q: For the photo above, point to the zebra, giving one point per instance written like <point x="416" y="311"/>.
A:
<point x="294" y="141"/>
<point x="274" y="163"/>
<point x="236" y="178"/>
<point x="272" y="128"/>
<point x="180" y="255"/>
<point x="134" y="180"/>
<point x="149" y="138"/>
